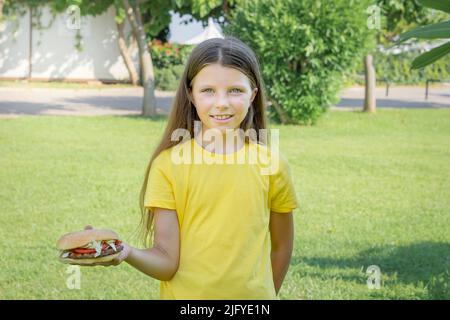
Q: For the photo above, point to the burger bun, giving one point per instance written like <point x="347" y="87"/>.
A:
<point x="81" y="238"/>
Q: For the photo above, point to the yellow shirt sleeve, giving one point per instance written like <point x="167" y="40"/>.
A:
<point x="282" y="194"/>
<point x="159" y="191"/>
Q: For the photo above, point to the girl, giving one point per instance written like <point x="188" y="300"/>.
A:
<point x="221" y="230"/>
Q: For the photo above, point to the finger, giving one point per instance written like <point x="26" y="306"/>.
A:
<point x="115" y="261"/>
<point x="104" y="264"/>
<point x="88" y="227"/>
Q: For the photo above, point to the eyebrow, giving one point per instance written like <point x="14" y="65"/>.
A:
<point x="202" y="86"/>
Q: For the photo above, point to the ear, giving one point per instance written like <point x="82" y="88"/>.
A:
<point x="191" y="97"/>
<point x="254" y="92"/>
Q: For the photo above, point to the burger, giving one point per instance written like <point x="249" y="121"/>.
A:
<point x="89" y="246"/>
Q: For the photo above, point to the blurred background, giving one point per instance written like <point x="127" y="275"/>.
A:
<point x="360" y="91"/>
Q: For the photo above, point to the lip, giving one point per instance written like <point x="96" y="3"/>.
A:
<point x="222" y="121"/>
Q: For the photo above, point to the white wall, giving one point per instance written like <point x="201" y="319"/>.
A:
<point x="14" y="45"/>
<point x="54" y="55"/>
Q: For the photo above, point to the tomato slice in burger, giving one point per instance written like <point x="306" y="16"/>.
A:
<point x="84" y="251"/>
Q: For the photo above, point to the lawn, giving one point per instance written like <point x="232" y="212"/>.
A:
<point x="374" y="190"/>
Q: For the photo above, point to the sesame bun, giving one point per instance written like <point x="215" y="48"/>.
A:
<point x="81" y="238"/>
<point x="89" y="261"/>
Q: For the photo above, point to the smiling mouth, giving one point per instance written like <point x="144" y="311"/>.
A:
<point x="222" y="117"/>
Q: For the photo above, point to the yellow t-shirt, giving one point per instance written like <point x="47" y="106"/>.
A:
<point x="223" y="212"/>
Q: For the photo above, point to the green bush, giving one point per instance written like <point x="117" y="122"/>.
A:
<point x="167" y="79"/>
<point x="168" y="60"/>
<point x="304" y="47"/>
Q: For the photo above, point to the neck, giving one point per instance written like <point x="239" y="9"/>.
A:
<point x="220" y="142"/>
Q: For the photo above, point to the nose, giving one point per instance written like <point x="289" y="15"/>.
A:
<point x="222" y="101"/>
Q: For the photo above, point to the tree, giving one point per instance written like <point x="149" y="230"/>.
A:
<point x="397" y="16"/>
<point x="134" y="16"/>
<point x="370" y="82"/>
<point x="201" y="10"/>
<point x="125" y="52"/>
<point x="147" y="19"/>
<point x="401" y="15"/>
<point x="303" y="48"/>
<point x="93" y="8"/>
<point x="98" y="7"/>
<point x="435" y="31"/>
<point x="157" y="17"/>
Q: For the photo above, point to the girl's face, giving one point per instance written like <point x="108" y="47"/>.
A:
<point x="221" y="91"/>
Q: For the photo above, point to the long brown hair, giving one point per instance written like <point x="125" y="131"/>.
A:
<point x="228" y="52"/>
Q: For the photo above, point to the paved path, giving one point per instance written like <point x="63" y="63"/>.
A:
<point x="398" y="97"/>
<point x="77" y="102"/>
<point x="124" y="101"/>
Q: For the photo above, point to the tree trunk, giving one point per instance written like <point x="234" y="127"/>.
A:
<point x="30" y="44"/>
<point x="369" y="99"/>
<point x="125" y="52"/>
<point x="146" y="64"/>
<point x="284" y="117"/>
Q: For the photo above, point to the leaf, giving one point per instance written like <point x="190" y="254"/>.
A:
<point x="120" y="15"/>
<point x="179" y="3"/>
<point x="112" y="245"/>
<point x="433" y="31"/>
<point x="443" y="5"/>
<point x="98" y="248"/>
<point x="431" y="56"/>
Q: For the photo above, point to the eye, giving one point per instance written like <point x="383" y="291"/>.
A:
<point x="237" y="90"/>
<point x="205" y="90"/>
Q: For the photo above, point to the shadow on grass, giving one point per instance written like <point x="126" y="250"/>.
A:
<point x="157" y="118"/>
<point x="423" y="262"/>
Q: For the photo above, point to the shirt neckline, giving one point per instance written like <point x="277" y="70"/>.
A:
<point x="212" y="154"/>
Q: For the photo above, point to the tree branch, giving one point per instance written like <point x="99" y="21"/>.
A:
<point x="284" y="117"/>
<point x="131" y="17"/>
<point x="125" y="52"/>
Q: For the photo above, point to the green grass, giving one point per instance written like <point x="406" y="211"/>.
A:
<point x="374" y="190"/>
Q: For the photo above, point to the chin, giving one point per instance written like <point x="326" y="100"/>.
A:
<point x="223" y="129"/>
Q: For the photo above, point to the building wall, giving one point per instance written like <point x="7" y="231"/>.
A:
<point x="14" y="45"/>
<point x="54" y="55"/>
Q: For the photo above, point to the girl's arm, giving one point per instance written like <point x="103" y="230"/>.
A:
<point x="161" y="261"/>
<point x="282" y="238"/>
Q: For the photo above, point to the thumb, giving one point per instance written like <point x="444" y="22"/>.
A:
<point x="125" y="252"/>
<point x="88" y="227"/>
